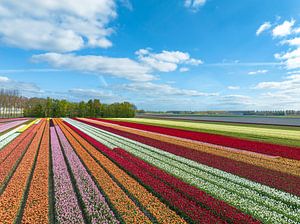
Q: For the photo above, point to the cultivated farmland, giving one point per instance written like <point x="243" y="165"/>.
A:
<point x="89" y="170"/>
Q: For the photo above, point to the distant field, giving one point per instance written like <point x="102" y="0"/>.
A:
<point x="265" y="133"/>
<point x="270" y="120"/>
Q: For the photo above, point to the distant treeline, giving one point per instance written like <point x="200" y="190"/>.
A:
<point x="40" y="107"/>
<point x="12" y="104"/>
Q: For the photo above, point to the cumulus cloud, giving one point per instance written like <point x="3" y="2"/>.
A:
<point x="56" y="25"/>
<point x="262" y="71"/>
<point x="292" y="42"/>
<point x="166" y="61"/>
<point x="141" y="69"/>
<point x="282" y="94"/>
<point x="291" y="59"/>
<point x="283" y="29"/>
<point x="194" y="5"/>
<point x="117" y="67"/>
<point x="263" y="27"/>
<point x="291" y="82"/>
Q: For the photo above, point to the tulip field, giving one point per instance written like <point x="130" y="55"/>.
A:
<point x="89" y="170"/>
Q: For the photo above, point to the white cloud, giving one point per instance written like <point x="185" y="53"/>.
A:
<point x="263" y="27"/>
<point x="283" y="29"/>
<point x="153" y="89"/>
<point x="117" y="67"/>
<point x="291" y="82"/>
<point x="291" y="59"/>
<point x="56" y="25"/>
<point x="233" y="87"/>
<point x="292" y="42"/>
<point x="263" y="71"/>
<point x="166" y="61"/>
<point x="296" y="30"/>
<point x="141" y="69"/>
<point x="184" y="69"/>
<point x="194" y="5"/>
<point x="282" y="94"/>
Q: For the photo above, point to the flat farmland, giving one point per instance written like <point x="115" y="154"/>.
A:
<point x="89" y="170"/>
<point x="284" y="121"/>
<point x="282" y="135"/>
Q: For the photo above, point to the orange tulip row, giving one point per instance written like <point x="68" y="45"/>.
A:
<point x="10" y="200"/>
<point x="125" y="207"/>
<point x="36" y="208"/>
<point x="288" y="166"/>
<point x="159" y="210"/>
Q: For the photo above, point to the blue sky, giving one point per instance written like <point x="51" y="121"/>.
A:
<point x="160" y="55"/>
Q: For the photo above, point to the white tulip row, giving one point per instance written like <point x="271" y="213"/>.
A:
<point x="265" y="203"/>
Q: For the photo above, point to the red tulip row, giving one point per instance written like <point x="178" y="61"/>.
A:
<point x="279" y="180"/>
<point x="186" y="199"/>
<point x="254" y="146"/>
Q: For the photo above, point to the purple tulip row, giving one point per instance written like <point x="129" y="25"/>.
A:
<point x="66" y="204"/>
<point x="10" y="125"/>
<point x="96" y="207"/>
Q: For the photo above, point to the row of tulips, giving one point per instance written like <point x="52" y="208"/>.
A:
<point x="9" y="136"/>
<point x="270" y="162"/>
<point x="67" y="208"/>
<point x="247" y="169"/>
<point x="7" y="140"/>
<point x="110" y="137"/>
<point x="260" y="147"/>
<point x="218" y="207"/>
<point x="37" y="203"/>
<point x="11" y="156"/>
<point x="12" y="145"/>
<point x="95" y="205"/>
<point x="244" y="194"/>
<point x="160" y="212"/>
<point x="10" y="125"/>
<point x="11" y="198"/>
<point x="199" y="206"/>
<point x="126" y="210"/>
